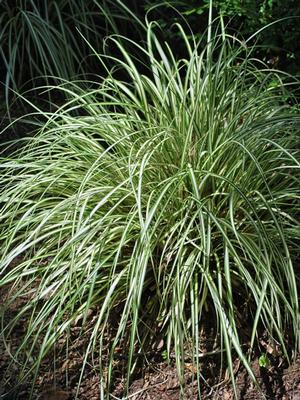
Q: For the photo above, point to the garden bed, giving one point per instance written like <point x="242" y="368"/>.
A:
<point x="57" y="378"/>
<point x="150" y="231"/>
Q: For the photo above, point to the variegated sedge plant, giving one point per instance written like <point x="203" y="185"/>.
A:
<point x="172" y="197"/>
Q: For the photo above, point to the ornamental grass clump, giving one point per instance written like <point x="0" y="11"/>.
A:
<point x="170" y="198"/>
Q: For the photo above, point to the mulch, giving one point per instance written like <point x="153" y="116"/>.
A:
<point x="58" y="377"/>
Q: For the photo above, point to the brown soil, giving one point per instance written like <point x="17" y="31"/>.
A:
<point x="57" y="378"/>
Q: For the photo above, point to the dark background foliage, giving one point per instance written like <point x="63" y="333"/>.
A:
<point x="279" y="43"/>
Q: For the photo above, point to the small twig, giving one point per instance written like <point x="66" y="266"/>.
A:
<point x="139" y="391"/>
